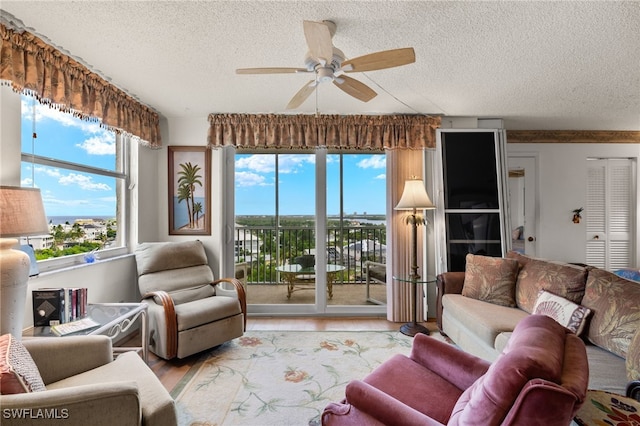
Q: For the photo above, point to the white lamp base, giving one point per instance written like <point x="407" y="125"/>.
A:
<point x="14" y="276"/>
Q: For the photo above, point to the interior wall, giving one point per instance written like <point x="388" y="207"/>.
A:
<point x="561" y="180"/>
<point x="188" y="132"/>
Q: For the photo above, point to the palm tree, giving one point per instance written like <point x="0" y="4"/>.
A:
<point x="197" y="209"/>
<point x="189" y="176"/>
<point x="184" y="194"/>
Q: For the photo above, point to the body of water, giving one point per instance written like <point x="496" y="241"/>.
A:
<point x="61" y="220"/>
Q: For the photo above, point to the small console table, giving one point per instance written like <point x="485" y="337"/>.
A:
<point x="114" y="319"/>
<point x="413" y="328"/>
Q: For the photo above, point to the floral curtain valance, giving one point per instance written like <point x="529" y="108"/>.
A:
<point x="348" y="132"/>
<point x="33" y="67"/>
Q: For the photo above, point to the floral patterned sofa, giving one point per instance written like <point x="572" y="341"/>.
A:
<point x="479" y="308"/>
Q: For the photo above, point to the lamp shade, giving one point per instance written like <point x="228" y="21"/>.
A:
<point x="414" y="196"/>
<point x="21" y="212"/>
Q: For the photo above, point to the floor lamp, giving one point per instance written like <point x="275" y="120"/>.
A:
<point x="414" y="198"/>
<point x="21" y="215"/>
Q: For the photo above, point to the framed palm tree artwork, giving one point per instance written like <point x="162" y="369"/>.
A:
<point x="189" y="190"/>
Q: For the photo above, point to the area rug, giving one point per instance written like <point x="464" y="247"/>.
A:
<point x="280" y="377"/>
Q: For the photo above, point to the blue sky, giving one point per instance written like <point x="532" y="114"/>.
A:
<point x="364" y="184"/>
<point x="72" y="193"/>
<point x="64" y="137"/>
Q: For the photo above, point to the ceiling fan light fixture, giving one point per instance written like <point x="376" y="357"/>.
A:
<point x="325" y="74"/>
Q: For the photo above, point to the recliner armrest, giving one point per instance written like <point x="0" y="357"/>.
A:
<point x="447" y="283"/>
<point x="163" y="298"/>
<point x="447" y="361"/>
<point x="118" y="402"/>
<point x="58" y="358"/>
<point x="384" y="408"/>
<point x="242" y="295"/>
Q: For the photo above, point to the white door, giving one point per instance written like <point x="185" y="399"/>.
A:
<point x="609" y="212"/>
<point x="522" y="204"/>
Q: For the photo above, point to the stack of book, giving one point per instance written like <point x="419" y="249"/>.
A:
<point x="53" y="306"/>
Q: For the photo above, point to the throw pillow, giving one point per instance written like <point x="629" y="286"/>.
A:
<point x="565" y="312"/>
<point x="19" y="373"/>
<point x="616" y="313"/>
<point x="559" y="278"/>
<point x="490" y="279"/>
<point x="633" y="358"/>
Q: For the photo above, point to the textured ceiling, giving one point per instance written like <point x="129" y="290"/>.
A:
<point x="539" y="65"/>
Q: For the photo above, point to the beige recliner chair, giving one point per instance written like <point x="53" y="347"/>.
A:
<point x="189" y="311"/>
<point x="86" y="386"/>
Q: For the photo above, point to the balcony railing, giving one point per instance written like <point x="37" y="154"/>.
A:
<point x="265" y="248"/>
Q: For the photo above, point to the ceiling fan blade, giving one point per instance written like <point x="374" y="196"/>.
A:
<point x="380" y="60"/>
<point x="302" y="95"/>
<point x="319" y="40"/>
<point x="355" y="88"/>
<point x="273" y="70"/>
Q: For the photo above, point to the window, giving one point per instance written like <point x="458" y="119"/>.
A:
<point x="80" y="169"/>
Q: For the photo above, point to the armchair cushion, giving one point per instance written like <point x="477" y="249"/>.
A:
<point x="203" y="311"/>
<point x="19" y="373"/>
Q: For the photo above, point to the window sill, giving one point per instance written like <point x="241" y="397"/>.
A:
<point x="53" y="266"/>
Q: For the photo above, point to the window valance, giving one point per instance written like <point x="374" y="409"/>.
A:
<point x="31" y="66"/>
<point x="345" y="132"/>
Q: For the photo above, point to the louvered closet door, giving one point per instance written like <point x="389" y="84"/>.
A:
<point x="609" y="212"/>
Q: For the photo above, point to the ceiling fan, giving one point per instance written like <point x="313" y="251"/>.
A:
<point x="329" y="65"/>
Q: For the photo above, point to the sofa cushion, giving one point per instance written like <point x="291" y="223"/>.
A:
<point x="18" y="372"/>
<point x="490" y="279"/>
<point x="616" y="311"/>
<point x="566" y="313"/>
<point x="565" y="280"/>
<point x="482" y="319"/>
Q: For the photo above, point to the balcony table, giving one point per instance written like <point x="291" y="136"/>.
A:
<point x="295" y="274"/>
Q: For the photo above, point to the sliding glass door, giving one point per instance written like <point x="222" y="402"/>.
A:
<point x="307" y="227"/>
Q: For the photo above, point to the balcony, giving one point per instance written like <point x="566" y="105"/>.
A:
<point x="263" y="249"/>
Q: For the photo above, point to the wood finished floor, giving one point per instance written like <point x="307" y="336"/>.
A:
<point x="170" y="372"/>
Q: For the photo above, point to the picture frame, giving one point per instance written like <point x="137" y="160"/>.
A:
<point x="189" y="190"/>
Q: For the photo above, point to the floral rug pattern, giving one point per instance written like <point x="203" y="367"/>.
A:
<point x="280" y="377"/>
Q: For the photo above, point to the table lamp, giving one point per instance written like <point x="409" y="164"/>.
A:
<point x="414" y="198"/>
<point x="21" y="215"/>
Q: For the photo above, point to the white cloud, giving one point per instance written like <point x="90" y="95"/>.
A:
<point x="257" y="163"/>
<point x="373" y="162"/>
<point x="101" y="144"/>
<point x="287" y="163"/>
<point x="244" y="179"/>
<point x="44" y="112"/>
<point x="381" y="176"/>
<point x="84" y="182"/>
<point x="48" y="171"/>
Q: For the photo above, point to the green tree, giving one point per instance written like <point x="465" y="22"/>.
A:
<point x="197" y="209"/>
<point x="184" y="194"/>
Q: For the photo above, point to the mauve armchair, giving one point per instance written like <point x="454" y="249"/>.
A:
<point x="540" y="378"/>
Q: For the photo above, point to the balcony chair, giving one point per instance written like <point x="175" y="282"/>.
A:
<point x="540" y="378"/>
<point x="189" y="311"/>
<point x="374" y="272"/>
<point x="74" y="380"/>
